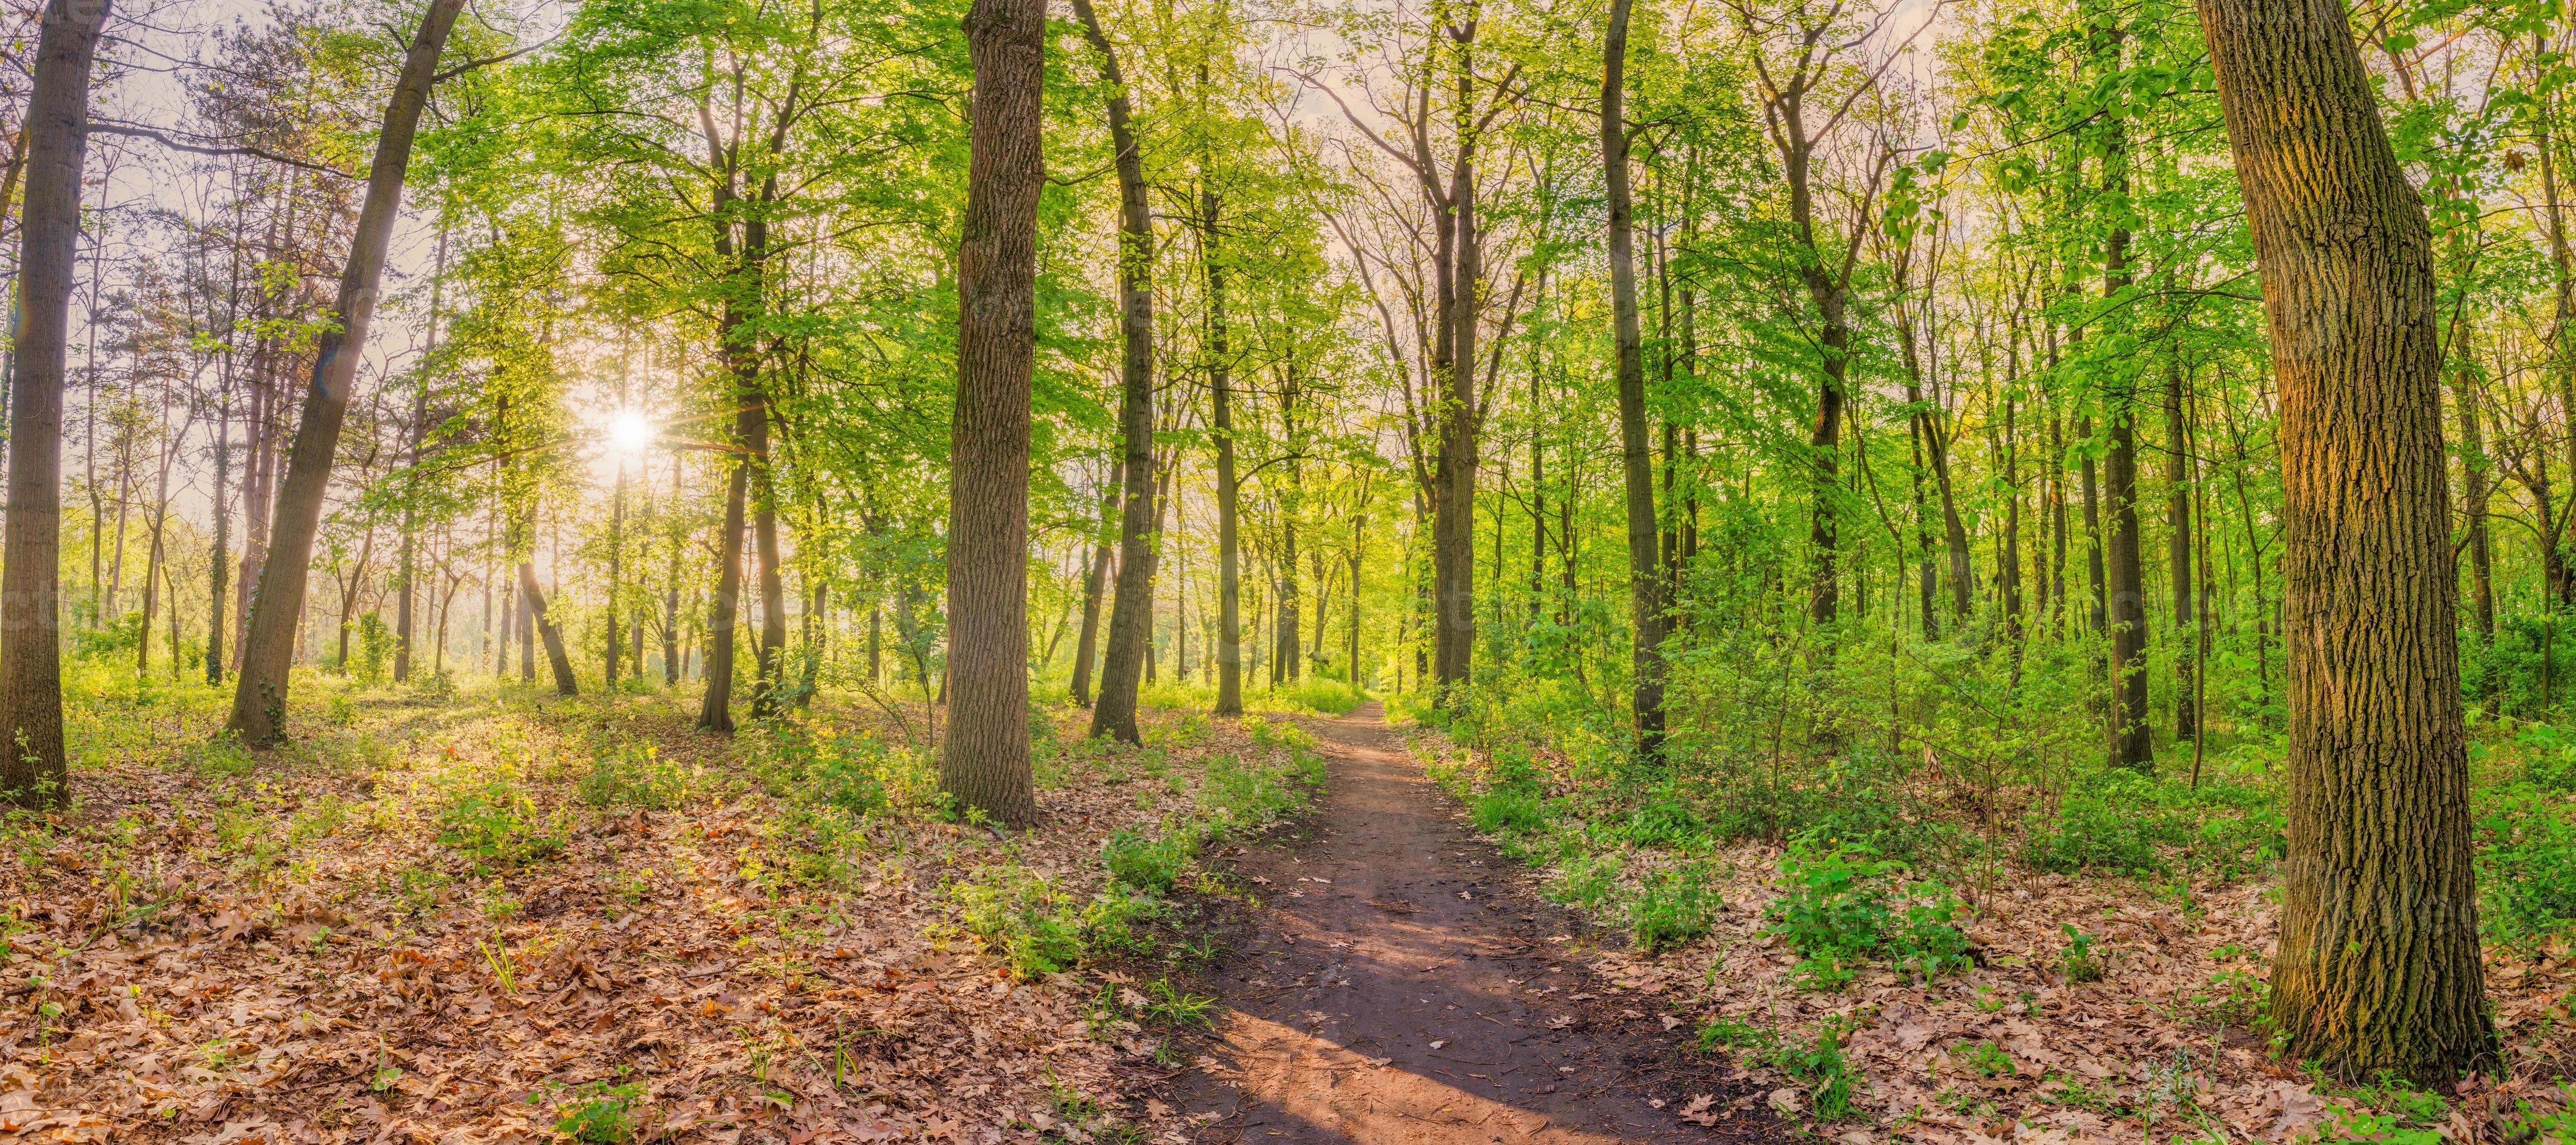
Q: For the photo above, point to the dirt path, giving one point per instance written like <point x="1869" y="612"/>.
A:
<point x="1397" y="986"/>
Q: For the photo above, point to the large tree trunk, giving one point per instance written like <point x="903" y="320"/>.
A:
<point x="1229" y="488"/>
<point x="1649" y="612"/>
<point x="34" y="772"/>
<point x="2378" y="966"/>
<point x="985" y="764"/>
<point x="1132" y="613"/>
<point x="259" y="702"/>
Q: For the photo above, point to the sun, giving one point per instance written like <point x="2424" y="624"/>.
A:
<point x="630" y="432"/>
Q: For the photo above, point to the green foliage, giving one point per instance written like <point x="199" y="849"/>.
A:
<point x="1672" y="907"/>
<point x="1147" y="861"/>
<point x="495" y="823"/>
<point x="2526" y="864"/>
<point x="2078" y="959"/>
<point x="1035" y="926"/>
<point x="1820" y="1066"/>
<point x="1843" y="906"/>
<point x="607" y="1116"/>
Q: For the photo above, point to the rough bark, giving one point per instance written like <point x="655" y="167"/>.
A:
<point x="259" y="698"/>
<point x="985" y="763"/>
<point x="33" y="770"/>
<point x="2379" y="965"/>
<point x="1122" y="663"/>
<point x="1649" y="612"/>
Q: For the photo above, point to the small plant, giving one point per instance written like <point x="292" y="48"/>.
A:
<point x="1672" y="907"/>
<point x="1031" y="922"/>
<point x="606" y="1116"/>
<point x="1842" y="909"/>
<point x="1987" y="1058"/>
<point x="495" y="823"/>
<point x="1724" y="1032"/>
<point x="1820" y="1065"/>
<point x="2080" y="961"/>
<point x="1176" y="1008"/>
<point x="505" y="970"/>
<point x="1147" y="862"/>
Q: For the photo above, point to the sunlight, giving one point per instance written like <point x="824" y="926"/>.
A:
<point x="631" y="432"/>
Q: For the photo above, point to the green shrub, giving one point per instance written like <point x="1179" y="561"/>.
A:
<point x="495" y="823"/>
<point x="1145" y="861"/>
<point x="1035" y="926"/>
<point x="1672" y="907"/>
<point x="1844" y="907"/>
<point x="2526" y="866"/>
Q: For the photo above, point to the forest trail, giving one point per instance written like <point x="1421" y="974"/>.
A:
<point x="1398" y="986"/>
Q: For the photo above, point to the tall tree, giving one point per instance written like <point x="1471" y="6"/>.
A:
<point x="1131" y="614"/>
<point x="259" y="697"/>
<point x="985" y="764"/>
<point x="33" y="770"/>
<point x="2379" y="964"/>
<point x="1648" y="582"/>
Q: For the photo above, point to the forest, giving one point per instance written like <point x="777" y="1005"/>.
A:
<point x="1203" y="570"/>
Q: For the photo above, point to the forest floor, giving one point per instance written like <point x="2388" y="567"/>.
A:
<point x="2084" y="1008"/>
<point x="1400" y="986"/>
<point x="505" y="917"/>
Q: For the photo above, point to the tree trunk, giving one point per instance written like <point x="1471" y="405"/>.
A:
<point x="259" y="702"/>
<point x="715" y="711"/>
<point x="534" y="615"/>
<point x="1132" y="612"/>
<point x="671" y="590"/>
<point x="2186" y="625"/>
<point x="2132" y="738"/>
<point x="1229" y="488"/>
<point x="2378" y="967"/>
<point x="985" y="762"/>
<point x="1095" y="587"/>
<point x="1649" y="612"/>
<point x="34" y="772"/>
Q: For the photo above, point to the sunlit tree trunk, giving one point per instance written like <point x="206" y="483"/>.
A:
<point x="1131" y="614"/>
<point x="985" y="763"/>
<point x="259" y="700"/>
<point x="1649" y="610"/>
<point x="2378" y="965"/>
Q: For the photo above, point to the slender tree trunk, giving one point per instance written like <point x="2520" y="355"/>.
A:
<point x="671" y="588"/>
<point x="2178" y="537"/>
<point x="418" y="434"/>
<point x="1229" y="489"/>
<point x="1131" y="614"/>
<point x="259" y="703"/>
<point x="1649" y="611"/>
<point x="219" y="565"/>
<point x="985" y="763"/>
<point x="2131" y="737"/>
<point x="534" y="616"/>
<point x="1095" y="588"/>
<point x="2378" y="965"/>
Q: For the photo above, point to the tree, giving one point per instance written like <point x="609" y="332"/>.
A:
<point x="2379" y="963"/>
<point x="33" y="770"/>
<point x="259" y="698"/>
<point x="1647" y="580"/>
<point x="1131" y="614"/>
<point x="986" y="762"/>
